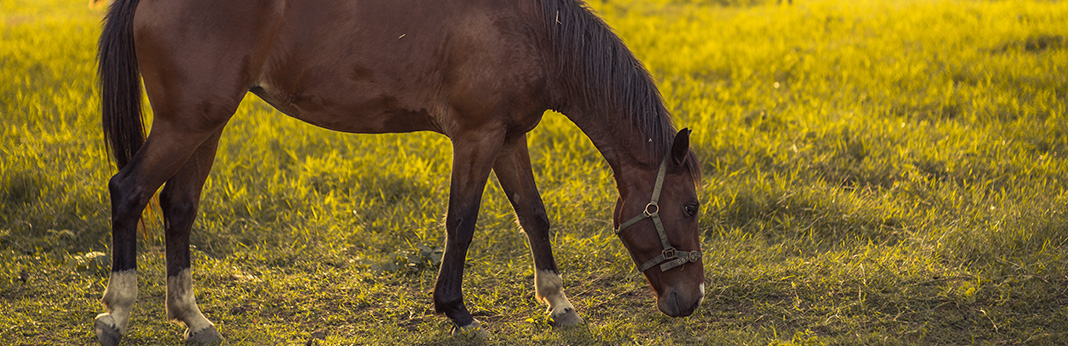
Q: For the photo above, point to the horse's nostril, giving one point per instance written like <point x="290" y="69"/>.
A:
<point x="667" y="304"/>
<point x="678" y="304"/>
<point x="675" y="300"/>
<point x="672" y="304"/>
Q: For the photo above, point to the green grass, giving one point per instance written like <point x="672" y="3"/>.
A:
<point x="876" y="172"/>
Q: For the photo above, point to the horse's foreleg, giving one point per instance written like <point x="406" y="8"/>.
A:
<point x="473" y="156"/>
<point x="517" y="180"/>
<point x="163" y="152"/>
<point x="179" y="201"/>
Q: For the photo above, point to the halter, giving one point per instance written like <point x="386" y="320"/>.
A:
<point x="669" y="258"/>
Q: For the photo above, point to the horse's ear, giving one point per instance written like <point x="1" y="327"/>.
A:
<point x="681" y="147"/>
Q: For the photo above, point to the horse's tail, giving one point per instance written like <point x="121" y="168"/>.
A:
<point x="120" y="89"/>
<point x="120" y="84"/>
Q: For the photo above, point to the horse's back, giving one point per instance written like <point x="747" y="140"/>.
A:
<point x="356" y="66"/>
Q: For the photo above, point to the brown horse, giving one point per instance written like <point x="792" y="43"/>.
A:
<point x="481" y="72"/>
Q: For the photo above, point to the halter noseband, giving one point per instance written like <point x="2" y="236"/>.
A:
<point x="670" y="257"/>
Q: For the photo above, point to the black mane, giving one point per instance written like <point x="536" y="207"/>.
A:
<point x="611" y="79"/>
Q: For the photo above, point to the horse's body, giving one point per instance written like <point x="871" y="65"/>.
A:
<point x="481" y="72"/>
<point x="374" y="91"/>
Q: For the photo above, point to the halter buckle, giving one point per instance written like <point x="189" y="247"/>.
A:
<point x="695" y="256"/>
<point x="655" y="208"/>
<point x="669" y="253"/>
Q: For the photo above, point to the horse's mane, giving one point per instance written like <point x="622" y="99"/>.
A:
<point x="612" y="79"/>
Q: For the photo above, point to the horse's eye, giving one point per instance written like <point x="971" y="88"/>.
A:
<point x="691" y="209"/>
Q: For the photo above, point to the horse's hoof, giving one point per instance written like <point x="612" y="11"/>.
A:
<point x="473" y="330"/>
<point x="568" y="318"/>
<point x="206" y="336"/>
<point x="105" y="332"/>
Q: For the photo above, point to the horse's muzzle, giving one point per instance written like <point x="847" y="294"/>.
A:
<point x="677" y="304"/>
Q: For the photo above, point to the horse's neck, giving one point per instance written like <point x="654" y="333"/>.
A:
<point x="622" y="145"/>
<point x="617" y="128"/>
<point x="603" y="89"/>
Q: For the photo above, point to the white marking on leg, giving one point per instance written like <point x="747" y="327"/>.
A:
<point x="182" y="304"/>
<point x="119" y="299"/>
<point x="549" y="288"/>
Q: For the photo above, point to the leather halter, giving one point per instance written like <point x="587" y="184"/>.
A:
<point x="670" y="257"/>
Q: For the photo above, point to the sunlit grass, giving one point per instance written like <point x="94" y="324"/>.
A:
<point x="875" y="172"/>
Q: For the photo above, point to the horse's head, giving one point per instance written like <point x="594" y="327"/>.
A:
<point x="656" y="218"/>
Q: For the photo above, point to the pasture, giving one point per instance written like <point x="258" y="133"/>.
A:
<point x="875" y="172"/>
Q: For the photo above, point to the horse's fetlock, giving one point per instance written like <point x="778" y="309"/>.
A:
<point x="121" y="292"/>
<point x="547" y="283"/>
<point x="442" y="305"/>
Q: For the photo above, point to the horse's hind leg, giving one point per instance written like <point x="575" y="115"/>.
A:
<point x="179" y="128"/>
<point x="164" y="152"/>
<point x="179" y="201"/>
<point x="195" y="69"/>
<point x="517" y="180"/>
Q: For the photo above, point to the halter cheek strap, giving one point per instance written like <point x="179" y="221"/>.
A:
<point x="670" y="257"/>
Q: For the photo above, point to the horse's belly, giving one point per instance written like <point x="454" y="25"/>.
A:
<point x="354" y="113"/>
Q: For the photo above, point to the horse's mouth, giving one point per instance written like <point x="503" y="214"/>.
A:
<point x="676" y="305"/>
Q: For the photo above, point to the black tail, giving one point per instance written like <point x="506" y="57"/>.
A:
<point x="120" y="84"/>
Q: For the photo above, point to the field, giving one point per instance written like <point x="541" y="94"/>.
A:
<point x="875" y="172"/>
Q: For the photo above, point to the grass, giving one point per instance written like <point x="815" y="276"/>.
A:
<point x="876" y="172"/>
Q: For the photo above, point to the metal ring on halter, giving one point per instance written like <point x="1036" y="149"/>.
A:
<point x="656" y="209"/>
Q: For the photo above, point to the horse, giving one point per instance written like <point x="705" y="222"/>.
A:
<point x="481" y="72"/>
